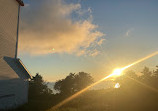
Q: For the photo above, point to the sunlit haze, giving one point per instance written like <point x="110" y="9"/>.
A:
<point x="60" y="36"/>
<point x="117" y="85"/>
<point x="115" y="73"/>
<point x="79" y="55"/>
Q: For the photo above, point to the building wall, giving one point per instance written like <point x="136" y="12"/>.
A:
<point x="8" y="33"/>
<point x="13" y="89"/>
<point x="13" y="92"/>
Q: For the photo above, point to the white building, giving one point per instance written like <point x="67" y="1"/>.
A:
<point x="13" y="74"/>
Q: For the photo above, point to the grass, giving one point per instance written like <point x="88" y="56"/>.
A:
<point x="124" y="99"/>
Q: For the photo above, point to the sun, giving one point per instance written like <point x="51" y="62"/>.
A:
<point x="117" y="72"/>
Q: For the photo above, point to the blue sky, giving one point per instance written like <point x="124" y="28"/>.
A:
<point x="127" y="29"/>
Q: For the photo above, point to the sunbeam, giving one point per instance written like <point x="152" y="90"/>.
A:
<point x="143" y="84"/>
<point x="115" y="73"/>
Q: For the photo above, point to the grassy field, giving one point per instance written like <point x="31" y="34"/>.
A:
<point x="136" y="98"/>
<point x="141" y="99"/>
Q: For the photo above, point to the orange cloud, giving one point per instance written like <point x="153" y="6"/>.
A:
<point x="49" y="28"/>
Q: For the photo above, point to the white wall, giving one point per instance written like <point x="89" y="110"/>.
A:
<point x="13" y="93"/>
<point x="8" y="33"/>
<point x="10" y="83"/>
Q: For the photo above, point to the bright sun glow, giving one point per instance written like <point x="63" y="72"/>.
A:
<point x="117" y="85"/>
<point x="117" y="72"/>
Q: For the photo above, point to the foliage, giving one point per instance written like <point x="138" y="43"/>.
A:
<point x="146" y="73"/>
<point x="148" y="80"/>
<point x="133" y="95"/>
<point x="73" y="83"/>
<point x="155" y="73"/>
<point x="38" y="88"/>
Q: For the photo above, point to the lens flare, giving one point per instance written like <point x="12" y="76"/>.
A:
<point x="140" y="60"/>
<point x="116" y="73"/>
<point x="117" y="85"/>
<point x="143" y="84"/>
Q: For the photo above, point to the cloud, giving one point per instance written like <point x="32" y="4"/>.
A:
<point x="83" y="12"/>
<point x="48" y="27"/>
<point x="26" y="5"/>
<point x="127" y="34"/>
<point x="94" y="53"/>
<point x="100" y="42"/>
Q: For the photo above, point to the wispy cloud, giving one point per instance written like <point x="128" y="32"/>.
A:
<point x="127" y="34"/>
<point x="100" y="42"/>
<point x="49" y="28"/>
<point x="26" y="5"/>
<point x="94" y="53"/>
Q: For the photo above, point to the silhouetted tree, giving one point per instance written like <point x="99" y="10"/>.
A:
<point x="73" y="83"/>
<point x="82" y="80"/>
<point x="146" y="73"/>
<point x="127" y="79"/>
<point x="37" y="87"/>
<point x="155" y="78"/>
<point x="155" y="73"/>
<point x="65" y="86"/>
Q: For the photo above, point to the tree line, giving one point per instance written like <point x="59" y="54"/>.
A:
<point x="133" y="86"/>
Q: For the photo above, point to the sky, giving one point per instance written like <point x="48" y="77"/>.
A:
<point x="95" y="36"/>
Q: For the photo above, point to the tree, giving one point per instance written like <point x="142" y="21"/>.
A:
<point x="37" y="87"/>
<point x="73" y="83"/>
<point x="156" y="72"/>
<point x="129" y="78"/>
<point x="155" y="78"/>
<point x="146" y="73"/>
<point x="65" y="86"/>
<point x="82" y="80"/>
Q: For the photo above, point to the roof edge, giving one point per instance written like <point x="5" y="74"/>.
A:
<point x="21" y="3"/>
<point x="24" y="67"/>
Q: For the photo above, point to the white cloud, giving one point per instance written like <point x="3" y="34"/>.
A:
<point x="100" y="42"/>
<point x="94" y="53"/>
<point x="47" y="27"/>
<point x="83" y="12"/>
<point x="127" y="34"/>
<point x="26" y="5"/>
